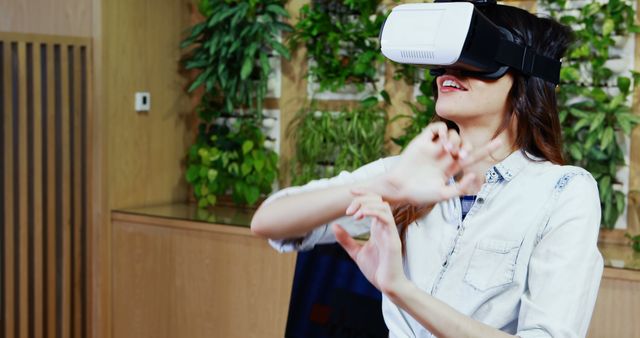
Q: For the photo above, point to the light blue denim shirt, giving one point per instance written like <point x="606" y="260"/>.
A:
<point x="524" y="260"/>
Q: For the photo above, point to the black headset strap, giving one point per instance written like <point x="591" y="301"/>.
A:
<point x="527" y="61"/>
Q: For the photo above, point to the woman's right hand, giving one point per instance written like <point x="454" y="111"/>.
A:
<point x="421" y="175"/>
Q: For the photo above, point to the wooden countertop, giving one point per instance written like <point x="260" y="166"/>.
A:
<point x="620" y="261"/>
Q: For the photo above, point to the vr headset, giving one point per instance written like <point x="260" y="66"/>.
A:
<point x="456" y="35"/>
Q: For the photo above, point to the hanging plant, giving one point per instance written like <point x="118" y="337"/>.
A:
<point x="341" y="37"/>
<point x="594" y="101"/>
<point x="328" y="142"/>
<point x="231" y="49"/>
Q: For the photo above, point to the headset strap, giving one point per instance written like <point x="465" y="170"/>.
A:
<point x="527" y="61"/>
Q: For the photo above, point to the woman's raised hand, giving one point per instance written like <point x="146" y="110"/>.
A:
<point x="380" y="258"/>
<point x="422" y="172"/>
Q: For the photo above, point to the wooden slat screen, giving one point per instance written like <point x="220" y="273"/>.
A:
<point x="44" y="185"/>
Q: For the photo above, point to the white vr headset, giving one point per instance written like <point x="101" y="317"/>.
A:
<point x="457" y="35"/>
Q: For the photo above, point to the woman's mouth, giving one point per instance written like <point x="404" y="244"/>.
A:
<point x="449" y="83"/>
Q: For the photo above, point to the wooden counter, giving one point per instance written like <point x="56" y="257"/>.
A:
<point x="185" y="278"/>
<point x="618" y="304"/>
<point x="183" y="272"/>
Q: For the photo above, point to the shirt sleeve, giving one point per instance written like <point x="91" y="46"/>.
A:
<point x="323" y="234"/>
<point x="566" y="266"/>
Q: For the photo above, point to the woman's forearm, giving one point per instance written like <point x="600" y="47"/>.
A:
<point x="439" y="318"/>
<point x="297" y="214"/>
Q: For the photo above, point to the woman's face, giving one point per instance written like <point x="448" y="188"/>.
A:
<point x="467" y="99"/>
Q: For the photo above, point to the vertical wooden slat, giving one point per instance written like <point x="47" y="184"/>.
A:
<point x="66" y="182"/>
<point x="37" y="191"/>
<point x="9" y="201"/>
<point x="3" y="197"/>
<point x="30" y="195"/>
<point x="87" y="174"/>
<point x="23" y="252"/>
<point x="51" y="323"/>
<point x="77" y="195"/>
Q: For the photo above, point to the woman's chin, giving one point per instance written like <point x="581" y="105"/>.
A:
<point x="449" y="114"/>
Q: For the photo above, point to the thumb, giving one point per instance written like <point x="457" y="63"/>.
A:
<point x="346" y="241"/>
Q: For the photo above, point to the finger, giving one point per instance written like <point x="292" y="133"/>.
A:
<point x="383" y="216"/>
<point x="346" y="241"/>
<point x="377" y="205"/>
<point x="469" y="184"/>
<point x="455" y="190"/>
<point x="481" y="153"/>
<point x="452" y="169"/>
<point x="465" y="150"/>
<point x="438" y="129"/>
<point x="454" y="142"/>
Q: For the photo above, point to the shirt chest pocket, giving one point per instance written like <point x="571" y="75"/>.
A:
<point x="492" y="264"/>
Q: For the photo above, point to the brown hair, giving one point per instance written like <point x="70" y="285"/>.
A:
<point x="532" y="100"/>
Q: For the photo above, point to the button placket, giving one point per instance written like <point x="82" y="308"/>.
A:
<point x="480" y="201"/>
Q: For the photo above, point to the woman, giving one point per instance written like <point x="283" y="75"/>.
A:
<point x="515" y="255"/>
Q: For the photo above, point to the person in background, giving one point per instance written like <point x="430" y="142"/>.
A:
<point x="477" y="229"/>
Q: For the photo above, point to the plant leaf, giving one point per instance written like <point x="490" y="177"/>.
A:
<point x="247" y="67"/>
<point x="247" y="146"/>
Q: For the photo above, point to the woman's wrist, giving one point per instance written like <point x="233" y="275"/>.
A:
<point x="381" y="185"/>
<point x="397" y="289"/>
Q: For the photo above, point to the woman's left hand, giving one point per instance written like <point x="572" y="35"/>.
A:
<point x="380" y="258"/>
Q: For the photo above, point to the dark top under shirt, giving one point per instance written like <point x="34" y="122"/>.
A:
<point x="467" y="202"/>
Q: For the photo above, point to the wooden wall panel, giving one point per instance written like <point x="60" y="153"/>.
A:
<point x="43" y="170"/>
<point x="54" y="17"/>
<point x="141" y="53"/>
<point x="138" y="158"/>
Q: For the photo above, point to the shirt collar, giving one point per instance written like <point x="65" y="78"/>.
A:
<point x="509" y="167"/>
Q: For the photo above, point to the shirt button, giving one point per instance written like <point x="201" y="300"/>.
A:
<point x="480" y="200"/>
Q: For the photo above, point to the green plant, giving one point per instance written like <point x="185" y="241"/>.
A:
<point x="423" y="112"/>
<point x="634" y="210"/>
<point x="594" y="116"/>
<point x="329" y="142"/>
<point x="225" y="159"/>
<point x="231" y="49"/>
<point x="341" y="37"/>
<point x="635" y="241"/>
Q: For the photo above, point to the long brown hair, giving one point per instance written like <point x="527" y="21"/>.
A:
<point x="532" y="100"/>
